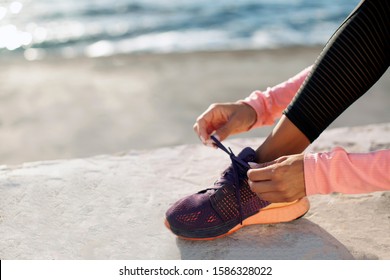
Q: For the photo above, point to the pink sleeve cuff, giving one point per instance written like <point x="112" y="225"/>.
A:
<point x="338" y="171"/>
<point x="270" y="104"/>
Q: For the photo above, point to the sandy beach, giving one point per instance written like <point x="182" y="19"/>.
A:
<point x="70" y="108"/>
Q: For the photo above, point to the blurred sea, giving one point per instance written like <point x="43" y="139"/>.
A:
<point x="37" y="28"/>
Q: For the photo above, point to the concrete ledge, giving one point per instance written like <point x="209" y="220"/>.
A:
<point x="113" y="206"/>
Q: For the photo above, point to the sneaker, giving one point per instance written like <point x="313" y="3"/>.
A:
<point x="228" y="205"/>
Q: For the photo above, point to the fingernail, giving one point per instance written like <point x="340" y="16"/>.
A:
<point x="253" y="164"/>
<point x="209" y="143"/>
<point x="217" y="136"/>
<point x="202" y="139"/>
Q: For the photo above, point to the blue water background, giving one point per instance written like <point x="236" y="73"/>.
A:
<point x="37" y="28"/>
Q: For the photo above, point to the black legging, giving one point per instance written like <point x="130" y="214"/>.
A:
<point x="353" y="60"/>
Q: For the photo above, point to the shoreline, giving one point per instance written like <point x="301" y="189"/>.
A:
<point x="65" y="108"/>
<point x="12" y="57"/>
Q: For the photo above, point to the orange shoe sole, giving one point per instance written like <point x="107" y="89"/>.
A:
<point x="272" y="214"/>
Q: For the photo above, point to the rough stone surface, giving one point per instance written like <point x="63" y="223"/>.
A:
<point x="113" y="206"/>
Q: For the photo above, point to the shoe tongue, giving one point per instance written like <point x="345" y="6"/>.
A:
<point x="247" y="155"/>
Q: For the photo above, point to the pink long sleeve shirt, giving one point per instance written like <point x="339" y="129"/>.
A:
<point x="335" y="171"/>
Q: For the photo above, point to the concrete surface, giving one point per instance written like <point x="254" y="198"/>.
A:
<point x="112" y="207"/>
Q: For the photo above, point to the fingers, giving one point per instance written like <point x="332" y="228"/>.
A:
<point x="273" y="191"/>
<point x="224" y="119"/>
<point x="261" y="174"/>
<point x="281" y="181"/>
<point x="262" y="186"/>
<point x="260" y="181"/>
<point x="200" y="129"/>
<point x="214" y="118"/>
<point x="203" y="126"/>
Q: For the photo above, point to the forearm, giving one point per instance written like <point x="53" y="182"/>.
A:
<point x="338" y="171"/>
<point x="285" y="139"/>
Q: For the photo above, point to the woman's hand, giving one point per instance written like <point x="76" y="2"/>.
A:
<point x="281" y="180"/>
<point x="224" y="119"/>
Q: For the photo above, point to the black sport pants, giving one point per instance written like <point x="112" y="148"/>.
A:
<point x="353" y="60"/>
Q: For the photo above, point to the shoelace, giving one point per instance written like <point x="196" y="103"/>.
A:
<point x="236" y="163"/>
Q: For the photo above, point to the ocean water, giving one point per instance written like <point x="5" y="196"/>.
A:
<point x="38" y="28"/>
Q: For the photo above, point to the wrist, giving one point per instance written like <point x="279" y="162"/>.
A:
<point x="285" y="139"/>
<point x="250" y="113"/>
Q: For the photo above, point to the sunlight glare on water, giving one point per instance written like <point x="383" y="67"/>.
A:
<point x="35" y="28"/>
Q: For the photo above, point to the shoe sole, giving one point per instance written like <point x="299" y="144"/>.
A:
<point x="272" y="214"/>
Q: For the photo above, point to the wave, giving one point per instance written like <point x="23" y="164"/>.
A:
<point x="105" y="27"/>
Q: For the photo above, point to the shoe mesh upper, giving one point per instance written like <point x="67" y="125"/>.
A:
<point x="219" y="205"/>
<point x="193" y="212"/>
<point x="227" y="206"/>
